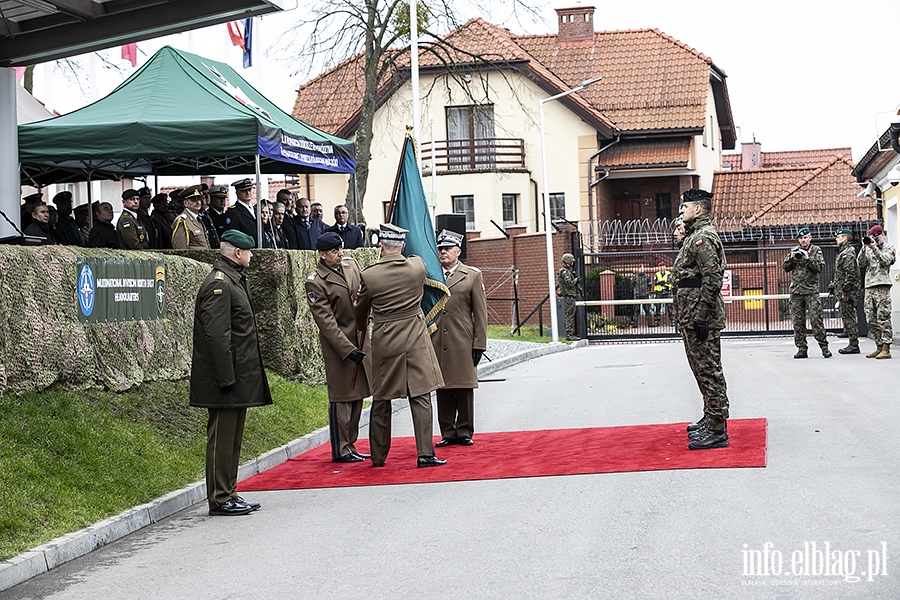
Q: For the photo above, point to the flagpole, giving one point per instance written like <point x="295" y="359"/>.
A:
<point x="414" y="66"/>
<point x="390" y="211"/>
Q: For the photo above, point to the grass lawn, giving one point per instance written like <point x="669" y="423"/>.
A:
<point x="72" y="458"/>
<point x="529" y="333"/>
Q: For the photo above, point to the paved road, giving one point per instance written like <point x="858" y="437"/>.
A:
<point x="832" y="476"/>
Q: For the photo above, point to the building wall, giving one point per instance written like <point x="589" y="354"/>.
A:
<point x="890" y="197"/>
<point x="706" y="150"/>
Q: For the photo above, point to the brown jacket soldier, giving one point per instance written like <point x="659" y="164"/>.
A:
<point x="187" y="231"/>
<point x="132" y="233"/>
<point x="331" y="291"/>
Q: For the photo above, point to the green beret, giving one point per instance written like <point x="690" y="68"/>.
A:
<point x="802" y="231"/>
<point x="238" y="239"/>
<point x="844" y="231"/>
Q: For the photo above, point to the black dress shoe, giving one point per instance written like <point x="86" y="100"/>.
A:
<point x="465" y="441"/>
<point x="252" y="505"/>
<point x="445" y="442"/>
<point x="430" y="461"/>
<point x="348" y="458"/>
<point x="360" y="454"/>
<point x="230" y="509"/>
<point x="375" y="464"/>
<point x="801" y="353"/>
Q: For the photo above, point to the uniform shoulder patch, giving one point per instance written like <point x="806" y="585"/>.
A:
<point x="311" y="296"/>
<point x="126" y="224"/>
<point x="699" y="242"/>
<point x="311" y="277"/>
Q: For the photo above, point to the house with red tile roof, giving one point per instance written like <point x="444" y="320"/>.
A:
<point x="622" y="148"/>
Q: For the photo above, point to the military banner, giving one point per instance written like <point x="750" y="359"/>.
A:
<point x="120" y="289"/>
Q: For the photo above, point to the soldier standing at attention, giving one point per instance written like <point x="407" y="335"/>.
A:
<point x="804" y="263"/>
<point x="242" y="215"/>
<point x="227" y="374"/>
<point x="403" y="361"/>
<point x="640" y="286"/>
<point x="187" y="231"/>
<point x="700" y="311"/>
<point x="331" y="291"/>
<point x="569" y="288"/>
<point x="876" y="257"/>
<point x="845" y="288"/>
<point x="459" y="340"/>
<point x="131" y="232"/>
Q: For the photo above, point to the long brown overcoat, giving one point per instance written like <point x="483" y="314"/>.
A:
<point x="227" y="369"/>
<point x="331" y="299"/>
<point x="403" y="361"/>
<point x="461" y="328"/>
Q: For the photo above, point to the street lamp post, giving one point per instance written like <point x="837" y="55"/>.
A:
<point x="554" y="321"/>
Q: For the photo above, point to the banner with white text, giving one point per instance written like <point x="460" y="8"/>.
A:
<point x="120" y="289"/>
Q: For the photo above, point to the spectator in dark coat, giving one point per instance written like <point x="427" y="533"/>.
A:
<point x="103" y="233"/>
<point x="350" y="233"/>
<point x="66" y="228"/>
<point x="308" y="229"/>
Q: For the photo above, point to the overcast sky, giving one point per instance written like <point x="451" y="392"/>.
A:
<point x="801" y="74"/>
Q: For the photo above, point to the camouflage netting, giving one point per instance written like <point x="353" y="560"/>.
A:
<point x="42" y="343"/>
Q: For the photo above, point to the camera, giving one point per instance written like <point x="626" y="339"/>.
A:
<point x="868" y="240"/>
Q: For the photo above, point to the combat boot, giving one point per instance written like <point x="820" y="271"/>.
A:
<point x="874" y="352"/>
<point x="697" y="425"/>
<point x="850" y="349"/>
<point x="885" y="352"/>
<point x="826" y="353"/>
<point x="801" y="353"/>
<point x="709" y="439"/>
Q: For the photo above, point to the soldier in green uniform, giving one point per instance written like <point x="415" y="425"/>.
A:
<point x="227" y="374"/>
<point x="876" y="257"/>
<point x="700" y="313"/>
<point x="845" y="288"/>
<point x="569" y="288"/>
<point x="187" y="231"/>
<point x="129" y="228"/>
<point x="640" y="286"/>
<point x="804" y="263"/>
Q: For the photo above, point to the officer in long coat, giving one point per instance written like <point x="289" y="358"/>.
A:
<point x="403" y="361"/>
<point x="459" y="340"/>
<point x="242" y="216"/>
<point x="187" y="231"/>
<point x="131" y="232"/>
<point x="700" y="313"/>
<point x="331" y="291"/>
<point x="227" y="374"/>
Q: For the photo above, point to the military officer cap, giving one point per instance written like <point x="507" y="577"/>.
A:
<point x="568" y="258"/>
<point x="82" y="208"/>
<point x="238" y="239"/>
<point x="218" y="190"/>
<point x="695" y="195"/>
<point x="159" y="199"/>
<point x="449" y="238"/>
<point x="204" y="187"/>
<point x="36" y="197"/>
<point x="802" y="231"/>
<point x="129" y="194"/>
<point x="144" y="191"/>
<point x="64" y="196"/>
<point x="243" y="185"/>
<point x="191" y="193"/>
<point x="389" y="231"/>
<point x="843" y="231"/>
<point x="328" y="240"/>
<point x="175" y="194"/>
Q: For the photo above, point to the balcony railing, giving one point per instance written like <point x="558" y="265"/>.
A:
<point x="486" y="154"/>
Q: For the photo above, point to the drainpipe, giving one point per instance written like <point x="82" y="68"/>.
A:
<point x="591" y="184"/>
<point x="537" y="210"/>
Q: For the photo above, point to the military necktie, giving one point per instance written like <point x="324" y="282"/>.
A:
<point x="446" y="275"/>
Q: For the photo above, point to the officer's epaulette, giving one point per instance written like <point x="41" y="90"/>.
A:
<point x="219" y="275"/>
<point x="475" y="269"/>
<point x="311" y="277"/>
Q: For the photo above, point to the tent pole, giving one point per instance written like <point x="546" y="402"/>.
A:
<point x="90" y="201"/>
<point x="259" y="228"/>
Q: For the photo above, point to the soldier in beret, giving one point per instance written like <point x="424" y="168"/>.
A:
<point x="188" y="232"/>
<point x="331" y="291"/>
<point x="131" y="232"/>
<point x="403" y="360"/>
<point x="876" y="256"/>
<point x="845" y="288"/>
<point x="700" y="313"/>
<point x="227" y="374"/>
<point x="804" y="263"/>
<point x="459" y="340"/>
<point x="241" y="216"/>
<point x="66" y="229"/>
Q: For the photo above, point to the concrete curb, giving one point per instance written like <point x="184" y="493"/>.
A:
<point x="78" y="543"/>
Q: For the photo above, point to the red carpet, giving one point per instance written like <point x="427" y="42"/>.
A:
<point x="535" y="454"/>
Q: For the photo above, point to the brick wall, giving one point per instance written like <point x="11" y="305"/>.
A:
<point x="575" y="23"/>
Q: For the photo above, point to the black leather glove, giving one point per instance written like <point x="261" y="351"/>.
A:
<point x="357" y="356"/>
<point x="476" y="356"/>
<point x="702" y="329"/>
<point x="831" y="289"/>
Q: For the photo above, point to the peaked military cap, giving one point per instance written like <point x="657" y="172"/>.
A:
<point x="64" y="196"/>
<point x="191" y="193"/>
<point x="204" y="187"/>
<point x="144" y="191"/>
<point x="129" y="194"/>
<point x="695" y="195"/>
<point x="33" y="197"/>
<point x="843" y="231"/>
<point x="238" y="239"/>
<point x="802" y="231"/>
<point x="328" y="240"/>
<point x="449" y="238"/>
<point x="243" y="184"/>
<point x="174" y="194"/>
<point x="389" y="231"/>
<point x="160" y="198"/>
<point x="219" y="190"/>
<point x="81" y="208"/>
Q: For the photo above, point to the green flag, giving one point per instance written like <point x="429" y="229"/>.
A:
<point x="411" y="212"/>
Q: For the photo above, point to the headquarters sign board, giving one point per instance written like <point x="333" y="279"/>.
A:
<point x="120" y="289"/>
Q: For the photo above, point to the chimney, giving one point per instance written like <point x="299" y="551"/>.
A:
<point x="751" y="155"/>
<point x="576" y="23"/>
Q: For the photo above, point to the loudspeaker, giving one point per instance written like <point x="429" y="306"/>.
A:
<point x="455" y="223"/>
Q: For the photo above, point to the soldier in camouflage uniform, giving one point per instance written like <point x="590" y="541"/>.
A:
<point x="845" y="288"/>
<point x="700" y="314"/>
<point x="804" y="263"/>
<point x="640" y="286"/>
<point x="876" y="257"/>
<point x="569" y="288"/>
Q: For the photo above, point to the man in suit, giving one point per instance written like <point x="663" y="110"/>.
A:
<point x="227" y="374"/>
<point x="308" y="229"/>
<point x="40" y="225"/>
<point x="188" y="232"/>
<point x="285" y="197"/>
<point x="281" y="229"/>
<point x="331" y="291"/>
<point x="132" y="233"/>
<point x="316" y="212"/>
<point x="66" y="229"/>
<point x="242" y="216"/>
<point x="350" y="233"/>
<point x="403" y="361"/>
<point x="459" y="340"/>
